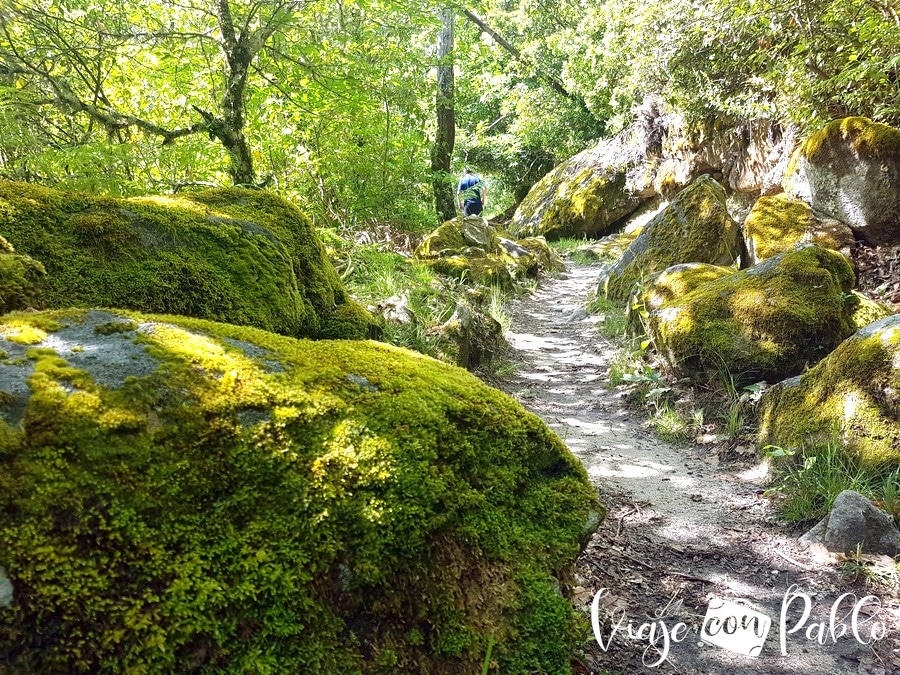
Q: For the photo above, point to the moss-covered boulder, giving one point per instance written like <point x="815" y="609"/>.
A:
<point x="855" y="390"/>
<point x="586" y="194"/>
<point x="695" y="227"/>
<point x="766" y="322"/>
<point x="243" y="256"/>
<point x="777" y="224"/>
<point x="178" y="495"/>
<point x="850" y="170"/>
<point x="469" y="248"/>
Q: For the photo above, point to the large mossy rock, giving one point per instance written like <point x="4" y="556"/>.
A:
<point x="470" y="248"/>
<point x="777" y="224"/>
<point x="178" y="495"/>
<point x="856" y="389"/>
<point x="766" y="322"/>
<point x="586" y="194"/>
<point x="242" y="256"/>
<point x="850" y="170"/>
<point x="695" y="227"/>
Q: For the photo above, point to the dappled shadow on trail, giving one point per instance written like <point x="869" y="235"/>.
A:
<point x="682" y="528"/>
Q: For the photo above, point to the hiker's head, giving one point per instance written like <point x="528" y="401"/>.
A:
<point x="468" y="170"/>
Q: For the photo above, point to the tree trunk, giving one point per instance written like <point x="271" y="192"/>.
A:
<point x="445" y="138"/>
<point x="230" y="128"/>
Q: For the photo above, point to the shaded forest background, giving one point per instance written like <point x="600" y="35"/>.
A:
<point x="332" y="103"/>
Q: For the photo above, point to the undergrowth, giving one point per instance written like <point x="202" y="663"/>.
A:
<point x="414" y="300"/>
<point x="808" y="479"/>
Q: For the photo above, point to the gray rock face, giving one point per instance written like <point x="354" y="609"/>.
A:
<point x="850" y="170"/>
<point x="476" y="230"/>
<point x="6" y="590"/>
<point x="513" y="249"/>
<point x="854" y="522"/>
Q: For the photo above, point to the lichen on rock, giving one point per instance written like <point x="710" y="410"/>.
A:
<point x="181" y="495"/>
<point x="766" y="322"/>
<point x="695" y="227"/>
<point x="855" y="390"/>
<point x="850" y="170"/>
<point x="777" y="224"/>
<point x="243" y="256"/>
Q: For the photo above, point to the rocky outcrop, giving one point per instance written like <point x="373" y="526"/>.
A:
<point x="850" y="170"/>
<point x="856" y="390"/>
<point x="242" y="256"/>
<point x="468" y="247"/>
<point x="180" y="495"/>
<point x="748" y="157"/>
<point x="767" y="322"/>
<point x="695" y="227"/>
<point x="777" y="224"/>
<point x="659" y="154"/>
<point x="854" y="524"/>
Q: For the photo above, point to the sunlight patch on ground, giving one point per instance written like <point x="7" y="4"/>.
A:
<point x="755" y="474"/>
<point x="620" y="467"/>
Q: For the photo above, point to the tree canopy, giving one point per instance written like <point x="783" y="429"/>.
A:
<point x="333" y="103"/>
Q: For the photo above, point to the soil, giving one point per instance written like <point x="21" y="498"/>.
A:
<point x="686" y="527"/>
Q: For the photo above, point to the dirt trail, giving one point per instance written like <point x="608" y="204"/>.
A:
<point x="681" y="527"/>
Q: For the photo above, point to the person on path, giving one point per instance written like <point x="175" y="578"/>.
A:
<point x="471" y="194"/>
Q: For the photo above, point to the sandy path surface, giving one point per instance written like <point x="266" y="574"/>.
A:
<point x="682" y="529"/>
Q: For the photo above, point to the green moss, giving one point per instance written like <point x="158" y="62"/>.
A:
<point x="767" y="322"/>
<point x="864" y="311"/>
<point x="21" y="281"/>
<point x="777" y="224"/>
<point x="546" y="257"/>
<point x="695" y="227"/>
<point x="676" y="282"/>
<point x="855" y="389"/>
<point x="243" y="256"/>
<point x="351" y="321"/>
<point x="867" y="138"/>
<point x="258" y="503"/>
<point x="112" y="327"/>
<point x="447" y="251"/>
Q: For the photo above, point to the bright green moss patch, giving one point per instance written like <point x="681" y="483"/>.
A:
<point x="223" y="499"/>
<point x="865" y="310"/>
<point x="856" y="389"/>
<point x="767" y="322"/>
<point x="677" y="281"/>
<point x="869" y="139"/>
<point x="777" y="224"/>
<point x="243" y="256"/>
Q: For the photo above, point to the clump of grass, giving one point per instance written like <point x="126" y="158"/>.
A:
<point x="614" y="321"/>
<point x="809" y="479"/>
<point x="568" y="244"/>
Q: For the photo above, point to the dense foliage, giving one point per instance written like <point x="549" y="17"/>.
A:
<point x="334" y="103"/>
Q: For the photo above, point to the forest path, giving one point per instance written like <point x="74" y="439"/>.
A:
<point x="681" y="527"/>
